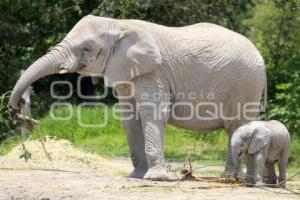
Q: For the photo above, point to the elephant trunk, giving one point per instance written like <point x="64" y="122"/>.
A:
<point x="46" y="65"/>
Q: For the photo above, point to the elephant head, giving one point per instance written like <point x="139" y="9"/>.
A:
<point x="249" y="138"/>
<point x="116" y="49"/>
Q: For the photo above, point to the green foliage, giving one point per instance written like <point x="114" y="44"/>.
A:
<point x="177" y="12"/>
<point x="7" y="128"/>
<point x="8" y="144"/>
<point x="26" y="155"/>
<point x="294" y="152"/>
<point x="275" y="29"/>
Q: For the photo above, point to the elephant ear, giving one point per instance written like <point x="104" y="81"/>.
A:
<point x="134" y="54"/>
<point x="260" y="138"/>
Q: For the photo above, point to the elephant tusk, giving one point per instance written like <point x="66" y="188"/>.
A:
<point x="63" y="71"/>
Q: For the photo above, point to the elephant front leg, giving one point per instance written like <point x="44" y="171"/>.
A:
<point x="136" y="143"/>
<point x="153" y="131"/>
<point x="134" y="133"/>
<point x="250" y="168"/>
<point x="229" y="166"/>
<point x="153" y="107"/>
<point x="259" y="166"/>
<point x="154" y="135"/>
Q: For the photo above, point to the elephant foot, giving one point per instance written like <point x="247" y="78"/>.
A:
<point x="138" y="173"/>
<point x="240" y="176"/>
<point x="250" y="180"/>
<point x="255" y="180"/>
<point x="260" y="183"/>
<point x="228" y="172"/>
<point x="159" y="174"/>
<point x="281" y="183"/>
<point x="270" y="180"/>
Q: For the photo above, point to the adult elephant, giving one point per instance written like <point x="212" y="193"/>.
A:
<point x="203" y="74"/>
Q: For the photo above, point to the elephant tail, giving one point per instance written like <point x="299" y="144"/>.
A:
<point x="264" y="95"/>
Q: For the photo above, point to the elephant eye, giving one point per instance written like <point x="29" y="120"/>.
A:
<point x="86" y="49"/>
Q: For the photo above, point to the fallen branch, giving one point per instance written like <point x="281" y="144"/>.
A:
<point x="39" y="169"/>
<point x="231" y="182"/>
<point x="219" y="186"/>
<point x="46" y="152"/>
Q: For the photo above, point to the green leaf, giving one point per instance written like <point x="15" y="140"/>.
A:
<point x="283" y="86"/>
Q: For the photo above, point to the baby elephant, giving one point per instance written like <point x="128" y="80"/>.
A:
<point x="263" y="143"/>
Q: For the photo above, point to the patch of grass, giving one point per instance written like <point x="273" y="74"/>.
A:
<point x="110" y="140"/>
<point x="295" y="152"/>
<point x="8" y="144"/>
<point x="180" y="142"/>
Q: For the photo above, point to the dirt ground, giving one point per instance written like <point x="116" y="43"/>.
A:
<point x="68" y="173"/>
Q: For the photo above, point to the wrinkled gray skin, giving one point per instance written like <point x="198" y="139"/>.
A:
<point x="264" y="144"/>
<point x="201" y="58"/>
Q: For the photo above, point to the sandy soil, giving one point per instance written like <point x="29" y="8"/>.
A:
<point x="73" y="174"/>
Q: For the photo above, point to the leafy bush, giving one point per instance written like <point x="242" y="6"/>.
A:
<point x="275" y="29"/>
<point x="7" y="128"/>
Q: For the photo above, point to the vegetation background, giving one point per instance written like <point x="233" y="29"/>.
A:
<point x="29" y="28"/>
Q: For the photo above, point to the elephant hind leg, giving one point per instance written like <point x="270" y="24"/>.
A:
<point x="269" y="173"/>
<point x="283" y="162"/>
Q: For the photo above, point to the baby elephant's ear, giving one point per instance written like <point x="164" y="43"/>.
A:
<point x="260" y="138"/>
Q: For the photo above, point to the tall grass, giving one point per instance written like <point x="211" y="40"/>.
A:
<point x="110" y="140"/>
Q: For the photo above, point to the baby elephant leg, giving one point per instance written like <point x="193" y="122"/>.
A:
<point x="282" y="169"/>
<point x="269" y="173"/>
<point x="250" y="168"/>
<point x="259" y="160"/>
